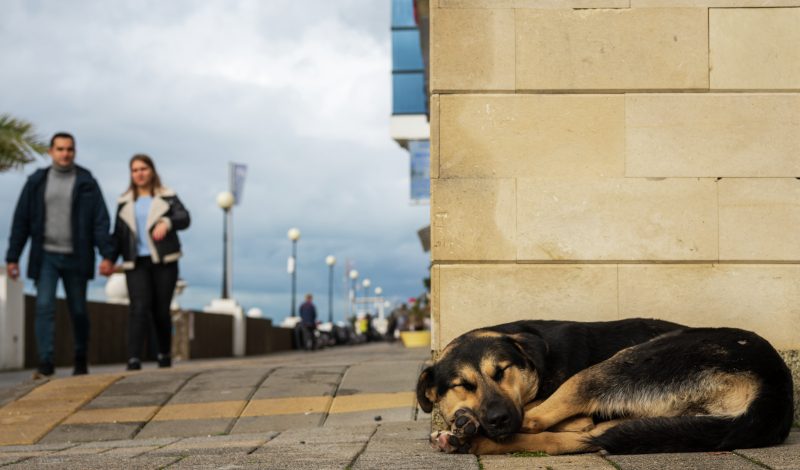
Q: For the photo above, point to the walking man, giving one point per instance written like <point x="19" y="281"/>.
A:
<point x="61" y="209"/>
<point x="308" y="316"/>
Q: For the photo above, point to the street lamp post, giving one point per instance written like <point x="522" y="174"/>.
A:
<point x="354" y="278"/>
<point x="365" y="283"/>
<point x="294" y="235"/>
<point x="378" y="292"/>
<point x="330" y="260"/>
<point x="225" y="201"/>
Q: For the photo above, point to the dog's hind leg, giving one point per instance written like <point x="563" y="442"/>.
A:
<point x="563" y="404"/>
<point x="573" y="424"/>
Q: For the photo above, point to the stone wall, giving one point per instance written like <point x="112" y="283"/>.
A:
<point x="605" y="159"/>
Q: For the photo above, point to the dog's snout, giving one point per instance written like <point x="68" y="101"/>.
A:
<point x="497" y="417"/>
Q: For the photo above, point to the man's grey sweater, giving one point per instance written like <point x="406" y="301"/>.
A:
<point x="58" y="209"/>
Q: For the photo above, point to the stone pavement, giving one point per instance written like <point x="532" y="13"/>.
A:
<point x="346" y="407"/>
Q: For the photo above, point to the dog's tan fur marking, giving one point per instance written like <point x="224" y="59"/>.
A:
<point x="487" y="334"/>
<point x="459" y="396"/>
<point x="732" y="393"/>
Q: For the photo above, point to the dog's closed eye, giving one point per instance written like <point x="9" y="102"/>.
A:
<point x="500" y="373"/>
<point x="470" y="387"/>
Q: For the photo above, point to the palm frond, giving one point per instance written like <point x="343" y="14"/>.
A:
<point x="19" y="144"/>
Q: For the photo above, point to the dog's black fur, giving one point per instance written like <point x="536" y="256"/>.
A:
<point x="557" y="349"/>
<point x="678" y="361"/>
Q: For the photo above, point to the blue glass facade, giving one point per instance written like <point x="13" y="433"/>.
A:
<point x="408" y="93"/>
<point x="403" y="14"/>
<point x="408" y="69"/>
<point x="406" y="55"/>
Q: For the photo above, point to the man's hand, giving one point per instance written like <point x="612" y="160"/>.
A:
<point x="160" y="231"/>
<point x="106" y="267"/>
<point x="12" y="270"/>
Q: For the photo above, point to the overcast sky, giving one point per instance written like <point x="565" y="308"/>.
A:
<point x="300" y="91"/>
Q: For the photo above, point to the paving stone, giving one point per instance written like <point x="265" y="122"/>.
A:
<point x="158" y="376"/>
<point x="366" y="417"/>
<point x="276" y="423"/>
<point x="300" y="382"/>
<point x="212" y="395"/>
<point x="376" y="377"/>
<point x="185" y="428"/>
<point x="81" y="450"/>
<point x="287" y="405"/>
<point x="783" y="457"/>
<point x="322" y="456"/>
<point x="561" y="462"/>
<point x="7" y="395"/>
<point x="373" y="401"/>
<point x="221" y="445"/>
<point x="23" y="455"/>
<point x="704" y="460"/>
<point x="91" y="432"/>
<point x="36" y="447"/>
<point x="408" y="430"/>
<point x="94" y="462"/>
<point x="410" y="454"/>
<point x="214" y="380"/>
<point x="120" y="401"/>
<point x="130" y="443"/>
<point x="195" y="411"/>
<point x="9" y="460"/>
<point x="128" y="451"/>
<point x="141" y="387"/>
<point x="321" y="436"/>
<point x="136" y="414"/>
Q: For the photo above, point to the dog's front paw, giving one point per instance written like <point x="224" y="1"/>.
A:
<point x="465" y="424"/>
<point x="446" y="441"/>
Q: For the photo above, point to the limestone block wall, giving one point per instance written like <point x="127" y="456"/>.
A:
<point x="605" y="159"/>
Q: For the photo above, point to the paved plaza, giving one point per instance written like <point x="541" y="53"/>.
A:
<point x="341" y="408"/>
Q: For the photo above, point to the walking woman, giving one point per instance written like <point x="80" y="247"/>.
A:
<point x="148" y="217"/>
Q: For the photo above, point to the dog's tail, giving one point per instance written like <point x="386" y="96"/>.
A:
<point x="764" y="424"/>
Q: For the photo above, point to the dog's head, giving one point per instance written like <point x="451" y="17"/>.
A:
<point x="492" y="374"/>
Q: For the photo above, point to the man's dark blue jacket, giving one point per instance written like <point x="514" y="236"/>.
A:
<point x="308" y="313"/>
<point x="90" y="224"/>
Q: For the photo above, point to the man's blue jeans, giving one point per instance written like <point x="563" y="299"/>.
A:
<point x="66" y="267"/>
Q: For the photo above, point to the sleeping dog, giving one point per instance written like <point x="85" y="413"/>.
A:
<point x="630" y="386"/>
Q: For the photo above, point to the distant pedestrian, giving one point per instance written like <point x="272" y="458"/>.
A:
<point x="145" y="234"/>
<point x="61" y="209"/>
<point x="308" y="319"/>
<point x="403" y="321"/>
<point x="391" y="327"/>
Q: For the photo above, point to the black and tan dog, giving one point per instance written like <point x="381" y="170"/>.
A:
<point x="650" y="386"/>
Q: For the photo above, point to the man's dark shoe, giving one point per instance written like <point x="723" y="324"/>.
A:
<point x="81" y="368"/>
<point x="44" y="370"/>
<point x="134" y="364"/>
<point x="164" y="360"/>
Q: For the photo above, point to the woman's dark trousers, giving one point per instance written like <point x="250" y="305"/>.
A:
<point x="150" y="289"/>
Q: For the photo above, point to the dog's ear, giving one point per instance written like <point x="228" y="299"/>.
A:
<point x="533" y="347"/>
<point x="426" y="390"/>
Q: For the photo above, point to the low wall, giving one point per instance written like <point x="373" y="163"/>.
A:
<point x="210" y="335"/>
<point x="263" y="338"/>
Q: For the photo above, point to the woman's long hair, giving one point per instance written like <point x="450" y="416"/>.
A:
<point x="155" y="183"/>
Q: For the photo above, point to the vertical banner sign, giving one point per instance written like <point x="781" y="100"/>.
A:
<point x="238" y="172"/>
<point x="420" y="157"/>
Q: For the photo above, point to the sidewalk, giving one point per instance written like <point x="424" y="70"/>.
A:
<point x="347" y="407"/>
